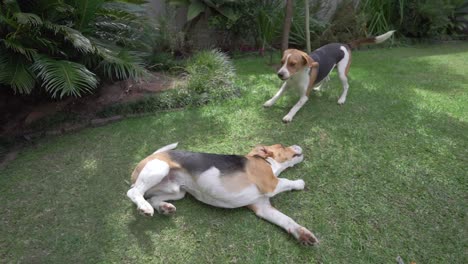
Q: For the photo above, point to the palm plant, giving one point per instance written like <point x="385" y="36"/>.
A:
<point x="197" y="7"/>
<point x="382" y="13"/>
<point x="63" y="46"/>
<point x="460" y="18"/>
<point x="268" y="19"/>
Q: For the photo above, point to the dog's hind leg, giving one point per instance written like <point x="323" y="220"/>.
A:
<point x="165" y="208"/>
<point x="343" y="68"/>
<point x="153" y="172"/>
<point x="263" y="209"/>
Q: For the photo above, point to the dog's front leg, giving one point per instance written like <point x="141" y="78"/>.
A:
<point x="263" y="209"/>
<point x="285" y="185"/>
<point x="288" y="118"/>
<point x="276" y="96"/>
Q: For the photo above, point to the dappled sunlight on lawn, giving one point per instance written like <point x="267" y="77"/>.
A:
<point x="384" y="174"/>
<point x="90" y="164"/>
<point x="433" y="102"/>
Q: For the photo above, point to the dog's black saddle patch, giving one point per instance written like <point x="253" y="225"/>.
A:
<point x="327" y="56"/>
<point x="196" y="163"/>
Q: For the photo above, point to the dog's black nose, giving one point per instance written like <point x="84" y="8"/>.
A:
<point x="280" y="75"/>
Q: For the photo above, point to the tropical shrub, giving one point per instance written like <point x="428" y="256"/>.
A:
<point x="412" y="18"/>
<point x="259" y="21"/>
<point x="344" y="25"/>
<point x="66" y="47"/>
<point x="209" y="77"/>
<point x="210" y="74"/>
<point x="197" y="7"/>
<point x="460" y="19"/>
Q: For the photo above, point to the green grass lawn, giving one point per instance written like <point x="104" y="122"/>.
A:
<point x="386" y="174"/>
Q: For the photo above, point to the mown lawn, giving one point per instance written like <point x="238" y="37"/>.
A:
<point x="386" y="174"/>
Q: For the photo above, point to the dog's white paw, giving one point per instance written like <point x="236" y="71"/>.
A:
<point x="268" y="103"/>
<point x="299" y="185"/>
<point x="166" y="208"/>
<point x="305" y="237"/>
<point x="341" y="101"/>
<point x="287" y="119"/>
<point x="146" y="209"/>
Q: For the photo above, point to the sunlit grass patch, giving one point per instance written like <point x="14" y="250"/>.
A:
<point x="386" y="174"/>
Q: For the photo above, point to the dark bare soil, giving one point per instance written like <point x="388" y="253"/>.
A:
<point x="20" y="115"/>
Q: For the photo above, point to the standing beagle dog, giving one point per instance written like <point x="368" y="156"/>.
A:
<point x="227" y="181"/>
<point x="306" y="72"/>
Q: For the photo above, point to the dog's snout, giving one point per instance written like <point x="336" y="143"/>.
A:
<point x="280" y="75"/>
<point x="297" y="149"/>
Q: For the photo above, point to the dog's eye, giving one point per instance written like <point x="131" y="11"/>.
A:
<point x="292" y="63"/>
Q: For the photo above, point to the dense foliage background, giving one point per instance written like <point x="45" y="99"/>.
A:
<point x="67" y="47"/>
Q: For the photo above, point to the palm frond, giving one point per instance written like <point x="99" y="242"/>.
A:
<point x="113" y="26"/>
<point x="16" y="46"/>
<point x="87" y="12"/>
<point x="122" y="65"/>
<point x="115" y="14"/>
<point x="27" y="19"/>
<point x="129" y="8"/>
<point x="80" y="42"/>
<point x="135" y="1"/>
<point x="62" y="78"/>
<point x="15" y="72"/>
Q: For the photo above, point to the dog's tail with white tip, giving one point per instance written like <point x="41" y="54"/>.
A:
<point x="372" y="40"/>
<point x="166" y="148"/>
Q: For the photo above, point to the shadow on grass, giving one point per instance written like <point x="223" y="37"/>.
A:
<point x="385" y="175"/>
<point x="143" y="228"/>
<point x="391" y="151"/>
<point x="68" y="193"/>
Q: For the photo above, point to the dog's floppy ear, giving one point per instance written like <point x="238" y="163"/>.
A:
<point x="286" y="53"/>
<point x="309" y="61"/>
<point x="261" y="151"/>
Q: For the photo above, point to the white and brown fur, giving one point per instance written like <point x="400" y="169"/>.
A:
<point x="228" y="181"/>
<point x="300" y="70"/>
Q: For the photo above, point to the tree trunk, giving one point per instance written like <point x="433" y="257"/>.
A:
<point x="307" y="25"/>
<point x="287" y="25"/>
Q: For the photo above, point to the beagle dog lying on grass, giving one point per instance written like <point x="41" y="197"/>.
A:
<point x="228" y="181"/>
<point x="308" y="71"/>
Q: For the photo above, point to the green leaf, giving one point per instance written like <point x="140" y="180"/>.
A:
<point x="61" y="77"/>
<point x="195" y="9"/>
<point x="15" y="72"/>
<point x="179" y="2"/>
<point x="227" y="12"/>
<point x="122" y="65"/>
<point x="135" y="1"/>
<point x="27" y="19"/>
<point x="87" y="12"/>
<point x="15" y="45"/>
<point x="80" y="42"/>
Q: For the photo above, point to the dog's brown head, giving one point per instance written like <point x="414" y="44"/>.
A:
<point x="279" y="153"/>
<point x="293" y="61"/>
